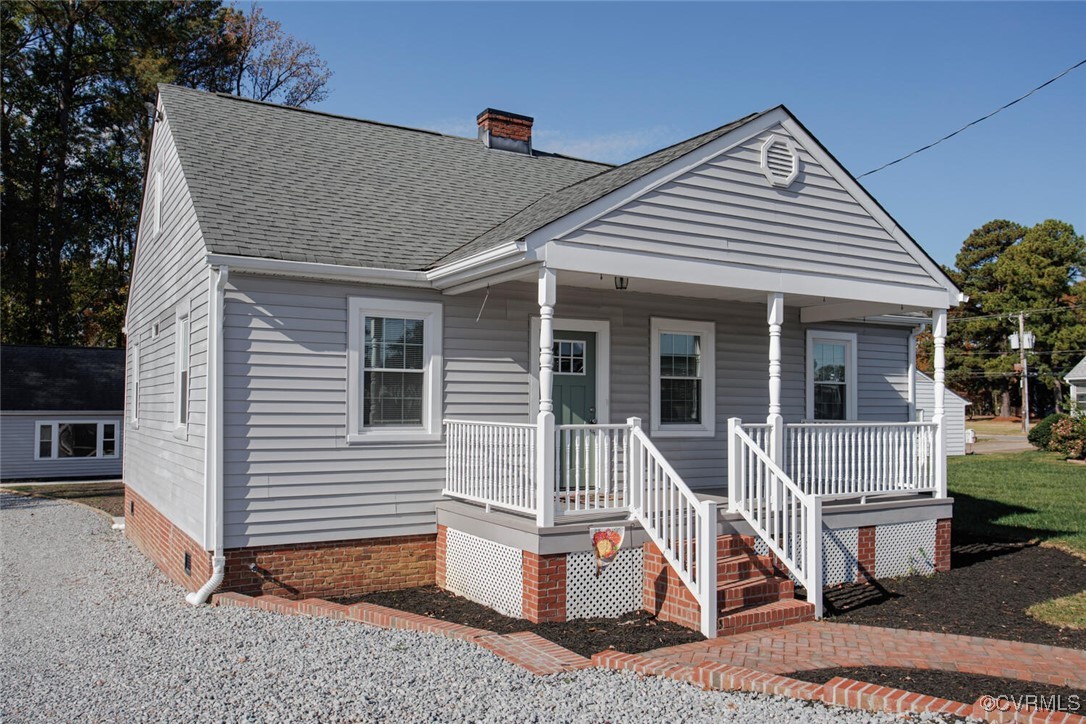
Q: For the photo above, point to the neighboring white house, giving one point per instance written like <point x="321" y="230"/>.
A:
<point x="60" y="412"/>
<point x="1076" y="378"/>
<point x="401" y="357"/>
<point x="954" y="404"/>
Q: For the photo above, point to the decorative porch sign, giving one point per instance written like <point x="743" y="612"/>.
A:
<point x="605" y="544"/>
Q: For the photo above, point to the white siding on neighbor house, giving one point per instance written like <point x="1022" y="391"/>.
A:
<point x="290" y="476"/>
<point x="725" y="211"/>
<point x="19" y="442"/>
<point x="954" y="406"/>
<point x="162" y="465"/>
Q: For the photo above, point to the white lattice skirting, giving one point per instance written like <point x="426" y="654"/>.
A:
<point x="839" y="552"/>
<point x="617" y="591"/>
<point x="485" y="572"/>
<point x="905" y="549"/>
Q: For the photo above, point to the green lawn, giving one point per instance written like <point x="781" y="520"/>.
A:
<point x="1020" y="496"/>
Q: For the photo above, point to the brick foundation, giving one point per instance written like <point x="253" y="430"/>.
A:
<point x="865" y="554"/>
<point x="544" y="588"/>
<point x="665" y="595"/>
<point x="164" y="543"/>
<point x="942" y="545"/>
<point x="303" y="570"/>
<point x="439" y="556"/>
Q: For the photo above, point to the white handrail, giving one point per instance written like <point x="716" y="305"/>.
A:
<point x="783" y="515"/>
<point x="493" y="463"/>
<point x="833" y="458"/>
<point x="590" y="473"/>
<point x="682" y="527"/>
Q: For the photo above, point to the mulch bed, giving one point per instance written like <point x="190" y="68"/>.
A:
<point x="986" y="593"/>
<point x="631" y="634"/>
<point x="108" y="497"/>
<point x="953" y="685"/>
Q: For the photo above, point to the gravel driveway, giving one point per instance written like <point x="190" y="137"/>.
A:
<point x="89" y="630"/>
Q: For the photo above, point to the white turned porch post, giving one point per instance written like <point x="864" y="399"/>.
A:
<point x="938" y="333"/>
<point x="775" y="318"/>
<point x="545" y="473"/>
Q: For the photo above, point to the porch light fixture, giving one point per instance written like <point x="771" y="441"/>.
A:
<point x="622" y="282"/>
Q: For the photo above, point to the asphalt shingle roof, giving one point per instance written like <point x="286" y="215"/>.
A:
<point x="282" y="183"/>
<point x="1078" y="372"/>
<point x="61" y="378"/>
<point x="567" y="200"/>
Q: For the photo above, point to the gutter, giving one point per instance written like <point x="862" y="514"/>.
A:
<point x="213" y="437"/>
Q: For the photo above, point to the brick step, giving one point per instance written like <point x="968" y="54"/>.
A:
<point x="742" y="566"/>
<point x="752" y="591"/>
<point x="765" y="615"/>
<point x="734" y="545"/>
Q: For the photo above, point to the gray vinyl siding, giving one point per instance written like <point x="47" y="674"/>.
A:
<point x="726" y="211"/>
<point x="954" y="406"/>
<point x="290" y="476"/>
<point x="18" y="443"/>
<point x="162" y="465"/>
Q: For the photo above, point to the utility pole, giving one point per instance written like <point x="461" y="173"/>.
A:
<point x="1025" y="371"/>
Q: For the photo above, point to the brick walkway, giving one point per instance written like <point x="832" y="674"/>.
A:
<point x="820" y="645"/>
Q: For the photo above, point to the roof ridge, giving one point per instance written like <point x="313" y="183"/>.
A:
<point x="356" y="119"/>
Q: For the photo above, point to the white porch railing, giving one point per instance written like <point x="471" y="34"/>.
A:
<point x="591" y="468"/>
<point x="860" y="457"/>
<point x="681" y="526"/>
<point x="785" y="517"/>
<point x="493" y="463"/>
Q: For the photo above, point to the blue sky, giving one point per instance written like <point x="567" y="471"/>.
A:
<point x="872" y="80"/>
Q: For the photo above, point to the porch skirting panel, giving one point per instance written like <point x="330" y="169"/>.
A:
<point x="486" y="572"/>
<point x="617" y="591"/>
<point x="840" y="553"/>
<point x="905" y="549"/>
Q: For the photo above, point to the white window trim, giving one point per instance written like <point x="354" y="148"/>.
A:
<point x="602" y="328"/>
<point x="55" y="424"/>
<point x="181" y="427"/>
<point x="134" y="410"/>
<point x="433" y="331"/>
<point x="851" y="374"/>
<point x="157" y="210"/>
<point x="707" y="331"/>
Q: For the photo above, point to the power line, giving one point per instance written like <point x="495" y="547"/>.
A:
<point x="967" y="125"/>
<point x="1010" y="315"/>
<point x="972" y="353"/>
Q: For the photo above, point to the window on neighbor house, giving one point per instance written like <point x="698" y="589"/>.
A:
<point x="831" y="375"/>
<point x="683" y="374"/>
<point x="76" y="439"/>
<point x="181" y="371"/>
<point x="394" y="367"/>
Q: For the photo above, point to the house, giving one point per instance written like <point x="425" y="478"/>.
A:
<point x="364" y="357"/>
<point x="953" y="412"/>
<point x="1076" y="378"/>
<point x="60" y="412"/>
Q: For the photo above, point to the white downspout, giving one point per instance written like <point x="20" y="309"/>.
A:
<point x="912" y="371"/>
<point x="213" y="438"/>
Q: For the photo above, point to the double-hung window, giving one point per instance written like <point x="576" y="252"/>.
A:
<point x="181" y="371"/>
<point x="831" y="375"/>
<point x="683" y="378"/>
<point x="394" y="370"/>
<point x="76" y="439"/>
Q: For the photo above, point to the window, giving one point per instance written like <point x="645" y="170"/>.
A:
<point x="157" y="210"/>
<point x="76" y="439"/>
<point x="683" y="378"/>
<point x="394" y="370"/>
<point x="568" y="357"/>
<point x="831" y="375"/>
<point x="134" y="408"/>
<point x="181" y="372"/>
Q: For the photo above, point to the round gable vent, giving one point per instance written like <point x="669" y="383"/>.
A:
<point x="780" y="162"/>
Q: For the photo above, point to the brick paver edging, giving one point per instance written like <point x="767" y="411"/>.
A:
<point x="525" y="649"/>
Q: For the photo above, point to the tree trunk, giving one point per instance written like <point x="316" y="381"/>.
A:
<point x="1005" y="403"/>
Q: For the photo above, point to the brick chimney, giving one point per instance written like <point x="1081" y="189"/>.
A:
<point x="505" y="131"/>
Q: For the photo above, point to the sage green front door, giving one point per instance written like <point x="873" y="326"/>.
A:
<point x="574" y="381"/>
<point x="574" y="394"/>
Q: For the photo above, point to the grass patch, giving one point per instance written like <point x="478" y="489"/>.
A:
<point x="1020" y="496"/>
<point x="1066" y="612"/>
<point x="104" y="496"/>
<point x="985" y="427"/>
